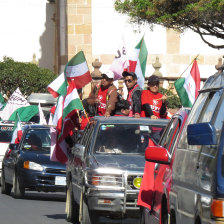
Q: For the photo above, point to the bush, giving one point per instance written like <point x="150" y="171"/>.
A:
<point x="27" y="76"/>
<point x="172" y="102"/>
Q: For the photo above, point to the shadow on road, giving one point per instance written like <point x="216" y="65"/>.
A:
<point x="56" y="216"/>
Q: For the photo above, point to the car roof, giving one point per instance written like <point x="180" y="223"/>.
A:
<point x="36" y="126"/>
<point x="214" y="82"/>
<point x="129" y="120"/>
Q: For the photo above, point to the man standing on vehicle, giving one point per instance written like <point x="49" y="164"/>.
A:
<point x="134" y="93"/>
<point x="104" y="95"/>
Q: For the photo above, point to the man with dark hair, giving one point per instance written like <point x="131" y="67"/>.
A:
<point x="153" y="102"/>
<point x="104" y="95"/>
<point x="134" y="93"/>
<point x="122" y="108"/>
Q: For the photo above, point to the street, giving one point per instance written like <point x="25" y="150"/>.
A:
<point x="35" y="208"/>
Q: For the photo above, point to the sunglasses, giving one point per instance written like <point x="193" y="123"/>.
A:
<point x="128" y="80"/>
<point x="154" y="84"/>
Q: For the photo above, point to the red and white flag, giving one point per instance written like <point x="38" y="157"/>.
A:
<point x="17" y="131"/>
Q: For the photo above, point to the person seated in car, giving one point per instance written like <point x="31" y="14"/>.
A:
<point x="35" y="142"/>
<point x="122" y="107"/>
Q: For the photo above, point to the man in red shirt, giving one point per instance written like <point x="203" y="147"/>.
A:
<point x="104" y="95"/>
<point x="153" y="102"/>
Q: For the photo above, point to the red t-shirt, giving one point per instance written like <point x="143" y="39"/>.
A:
<point x="153" y="100"/>
<point x="102" y="97"/>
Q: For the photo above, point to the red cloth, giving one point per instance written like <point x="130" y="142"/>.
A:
<point x="52" y="111"/>
<point x="84" y="122"/>
<point x="102" y="97"/>
<point x="145" y="195"/>
<point x="153" y="100"/>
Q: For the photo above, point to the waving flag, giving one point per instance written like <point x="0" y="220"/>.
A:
<point x="188" y="87"/>
<point x="78" y="71"/>
<point x="17" y="131"/>
<point x="58" y="86"/>
<point x="138" y="60"/>
<point x="2" y="102"/>
<point x="41" y="115"/>
<point x="120" y="62"/>
<point x="15" y="101"/>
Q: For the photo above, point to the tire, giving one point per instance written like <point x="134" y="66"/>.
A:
<point x="142" y="215"/>
<point x="172" y="217"/>
<point x="88" y="217"/>
<point x="17" y="189"/>
<point x="6" y="188"/>
<point x="72" y="206"/>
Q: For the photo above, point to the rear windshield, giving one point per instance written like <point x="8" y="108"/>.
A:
<point x="37" y="139"/>
<point x="6" y="133"/>
<point x="126" y="138"/>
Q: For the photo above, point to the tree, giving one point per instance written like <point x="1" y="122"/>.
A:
<point x="204" y="17"/>
<point x="28" y="77"/>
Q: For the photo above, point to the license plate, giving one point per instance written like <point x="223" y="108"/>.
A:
<point x="60" y="180"/>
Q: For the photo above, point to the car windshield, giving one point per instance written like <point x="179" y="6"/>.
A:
<point x="126" y="138"/>
<point x="6" y="133"/>
<point x="37" y="139"/>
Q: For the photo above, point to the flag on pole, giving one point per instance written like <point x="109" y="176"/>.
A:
<point x="120" y="62"/>
<point x="58" y="86"/>
<point x="138" y="60"/>
<point x="2" y="102"/>
<point x="15" y="101"/>
<point x="78" y="71"/>
<point x="17" y="131"/>
<point x="41" y="115"/>
<point x="187" y="88"/>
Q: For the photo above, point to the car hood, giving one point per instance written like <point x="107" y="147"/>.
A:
<point x="124" y="161"/>
<point x="3" y="148"/>
<point x="41" y="158"/>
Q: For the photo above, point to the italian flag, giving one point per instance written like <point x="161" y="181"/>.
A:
<point x="17" y="131"/>
<point x="58" y="86"/>
<point x="138" y="60"/>
<point x="188" y="87"/>
<point x="78" y="71"/>
<point x="2" y="102"/>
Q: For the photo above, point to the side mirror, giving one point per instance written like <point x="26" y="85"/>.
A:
<point x="78" y="150"/>
<point x="201" y="134"/>
<point x="13" y="146"/>
<point x="157" y="154"/>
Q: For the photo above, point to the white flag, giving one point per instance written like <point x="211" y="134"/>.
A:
<point x="41" y="115"/>
<point x="15" y="101"/>
<point x="120" y="61"/>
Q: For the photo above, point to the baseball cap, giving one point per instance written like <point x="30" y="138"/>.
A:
<point x="108" y="73"/>
<point x="125" y="74"/>
<point x="153" y="79"/>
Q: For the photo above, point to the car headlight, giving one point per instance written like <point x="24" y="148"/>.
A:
<point x="32" y="166"/>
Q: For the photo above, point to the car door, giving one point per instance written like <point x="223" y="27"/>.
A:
<point x="162" y="172"/>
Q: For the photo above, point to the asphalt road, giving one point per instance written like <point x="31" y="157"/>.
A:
<point x="35" y="208"/>
<point x="40" y="208"/>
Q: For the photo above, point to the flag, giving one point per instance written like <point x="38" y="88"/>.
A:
<point x="138" y="60"/>
<point x="58" y="86"/>
<point x="120" y="62"/>
<point x="25" y="113"/>
<point x="17" y="131"/>
<point x="187" y="88"/>
<point x="78" y="71"/>
<point x="15" y="101"/>
<point x="41" y="115"/>
<point x="2" y="102"/>
<point x="50" y="121"/>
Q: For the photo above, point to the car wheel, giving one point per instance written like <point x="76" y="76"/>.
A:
<point x="142" y="215"/>
<point x="72" y="208"/>
<point x="164" y="218"/>
<point x="17" y="189"/>
<point x="6" y="188"/>
<point x="88" y="217"/>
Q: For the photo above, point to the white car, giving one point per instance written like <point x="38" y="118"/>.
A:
<point x="6" y="131"/>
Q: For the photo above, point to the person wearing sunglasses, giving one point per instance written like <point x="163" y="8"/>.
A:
<point x="153" y="102"/>
<point x="104" y="95"/>
<point x="134" y="93"/>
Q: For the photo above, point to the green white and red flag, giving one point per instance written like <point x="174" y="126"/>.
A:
<point x="58" y="86"/>
<point x="138" y="60"/>
<point x="188" y="87"/>
<point x="78" y="71"/>
<point x="17" y="131"/>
